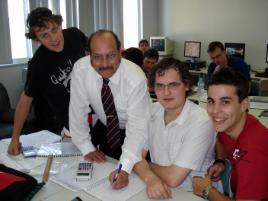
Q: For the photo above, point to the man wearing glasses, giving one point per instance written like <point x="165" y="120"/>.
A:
<point x="181" y="135"/>
<point x="116" y="90"/>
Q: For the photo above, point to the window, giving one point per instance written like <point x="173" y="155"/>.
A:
<point x="16" y="10"/>
<point x="21" y="47"/>
<point x="132" y="25"/>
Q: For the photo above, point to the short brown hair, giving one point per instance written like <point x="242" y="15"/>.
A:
<point x="213" y="45"/>
<point x="39" y="18"/>
<point x="170" y="63"/>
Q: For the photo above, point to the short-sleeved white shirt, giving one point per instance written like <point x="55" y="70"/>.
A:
<point x="188" y="141"/>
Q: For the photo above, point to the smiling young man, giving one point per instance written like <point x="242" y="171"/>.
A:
<point x="181" y="135"/>
<point x="244" y="138"/>
<point x="48" y="75"/>
<point x="116" y="90"/>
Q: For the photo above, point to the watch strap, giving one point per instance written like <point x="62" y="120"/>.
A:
<point x="206" y="191"/>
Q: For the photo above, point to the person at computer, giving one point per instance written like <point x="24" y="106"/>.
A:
<point x="244" y="139"/>
<point x="144" y="45"/>
<point x="116" y="89"/>
<point x="150" y="58"/>
<point x="220" y="59"/>
<point x="48" y="75"/>
<point x="181" y="136"/>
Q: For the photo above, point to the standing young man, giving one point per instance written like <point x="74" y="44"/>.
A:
<point x="116" y="89"/>
<point x="48" y="76"/>
<point x="244" y="138"/>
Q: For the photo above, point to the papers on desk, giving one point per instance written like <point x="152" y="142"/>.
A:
<point x="100" y="173"/>
<point x="104" y="191"/>
<point x="59" y="149"/>
<point x="37" y="139"/>
<point x="99" y="185"/>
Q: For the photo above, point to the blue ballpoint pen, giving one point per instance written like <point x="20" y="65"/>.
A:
<point x="118" y="172"/>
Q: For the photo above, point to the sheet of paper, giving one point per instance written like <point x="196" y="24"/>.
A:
<point x="104" y="191"/>
<point x="37" y="139"/>
<point x="100" y="174"/>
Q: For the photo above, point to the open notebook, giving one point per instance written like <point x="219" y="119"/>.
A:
<point x="99" y="185"/>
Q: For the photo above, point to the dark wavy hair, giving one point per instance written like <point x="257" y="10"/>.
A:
<point x="170" y="63"/>
<point x="39" y="18"/>
<point x="228" y="76"/>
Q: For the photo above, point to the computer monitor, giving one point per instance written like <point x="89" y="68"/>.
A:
<point x="192" y="49"/>
<point x="162" y="44"/>
<point x="235" y="49"/>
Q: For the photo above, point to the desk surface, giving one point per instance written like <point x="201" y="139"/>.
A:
<point x="54" y="192"/>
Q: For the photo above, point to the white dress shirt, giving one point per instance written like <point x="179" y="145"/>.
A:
<point x="187" y="142"/>
<point x="132" y="102"/>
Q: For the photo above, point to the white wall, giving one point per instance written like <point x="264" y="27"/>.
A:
<point x="11" y="77"/>
<point x="150" y="12"/>
<point x="242" y="21"/>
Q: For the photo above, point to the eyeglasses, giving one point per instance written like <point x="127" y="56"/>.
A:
<point x="107" y="57"/>
<point x="171" y="86"/>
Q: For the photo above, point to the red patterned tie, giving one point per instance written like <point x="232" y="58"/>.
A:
<point x="113" y="130"/>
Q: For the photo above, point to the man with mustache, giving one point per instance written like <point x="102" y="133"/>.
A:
<point x="100" y="73"/>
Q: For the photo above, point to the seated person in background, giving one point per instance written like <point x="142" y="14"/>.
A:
<point x="150" y="58"/>
<point x="133" y="54"/>
<point x="244" y="138"/>
<point x="49" y="72"/>
<point x="144" y="45"/>
<point x="219" y="58"/>
<point x="181" y="135"/>
<point x="116" y="89"/>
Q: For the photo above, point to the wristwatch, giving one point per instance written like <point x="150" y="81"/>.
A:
<point x="205" y="192"/>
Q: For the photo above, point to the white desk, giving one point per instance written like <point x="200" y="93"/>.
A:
<point x="54" y="192"/>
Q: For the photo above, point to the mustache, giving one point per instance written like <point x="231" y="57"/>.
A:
<point x="102" y="68"/>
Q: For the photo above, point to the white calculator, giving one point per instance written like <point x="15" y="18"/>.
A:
<point x="84" y="171"/>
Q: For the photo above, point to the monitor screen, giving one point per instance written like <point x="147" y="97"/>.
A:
<point x="158" y="44"/>
<point x="235" y="49"/>
<point x="192" y="49"/>
<point x="267" y="54"/>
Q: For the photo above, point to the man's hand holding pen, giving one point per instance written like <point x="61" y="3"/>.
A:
<point x="118" y="178"/>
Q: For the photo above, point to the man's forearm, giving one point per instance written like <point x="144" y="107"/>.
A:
<point x="214" y="195"/>
<point x="21" y="114"/>
<point x="143" y="169"/>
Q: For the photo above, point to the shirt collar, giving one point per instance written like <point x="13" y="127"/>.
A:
<point x="183" y="115"/>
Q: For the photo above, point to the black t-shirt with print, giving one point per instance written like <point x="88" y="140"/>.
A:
<point x="48" y="79"/>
